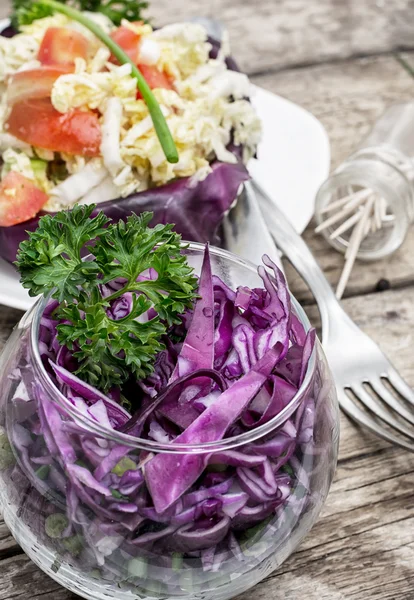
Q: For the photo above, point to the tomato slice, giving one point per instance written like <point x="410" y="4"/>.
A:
<point x="155" y="78"/>
<point x="61" y="46"/>
<point x="129" y="42"/>
<point x="20" y="199"/>
<point x="34" y="83"/>
<point x="39" y="124"/>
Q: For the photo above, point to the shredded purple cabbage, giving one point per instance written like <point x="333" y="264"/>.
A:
<point x="197" y="210"/>
<point x="236" y="361"/>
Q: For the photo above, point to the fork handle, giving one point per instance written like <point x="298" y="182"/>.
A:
<point x="298" y="253"/>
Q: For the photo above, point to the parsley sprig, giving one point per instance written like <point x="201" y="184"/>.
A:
<point x="108" y="350"/>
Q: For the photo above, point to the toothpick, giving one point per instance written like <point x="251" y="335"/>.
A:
<point x="368" y="226"/>
<point x="343" y="201"/>
<point x="348" y="250"/>
<point x="346" y="225"/>
<point x="365" y="211"/>
<point x="354" y="245"/>
<point x="350" y="207"/>
<point x="377" y="213"/>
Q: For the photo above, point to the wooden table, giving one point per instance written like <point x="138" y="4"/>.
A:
<point x="345" y="61"/>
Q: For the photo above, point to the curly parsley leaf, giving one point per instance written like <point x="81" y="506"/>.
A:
<point x="144" y="268"/>
<point x="51" y="258"/>
<point x="133" y="249"/>
<point x="109" y="351"/>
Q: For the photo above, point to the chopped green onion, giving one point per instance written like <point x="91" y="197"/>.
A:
<point x="95" y="574"/>
<point x="6" y="453"/>
<point x="74" y="544"/>
<point x="251" y="536"/>
<point x="158" y="119"/>
<point x="55" y="525"/>
<point x="288" y="469"/>
<point x="138" y="567"/>
<point x="124" y="465"/>
<point x="42" y="472"/>
<point x="39" y="166"/>
<point x="216" y="468"/>
<point x="118" y="495"/>
<point x="177" y="561"/>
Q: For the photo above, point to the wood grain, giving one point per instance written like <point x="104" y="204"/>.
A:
<point x="278" y="34"/>
<point x="8" y="546"/>
<point x="365" y="522"/>
<point x="362" y="548"/>
<point x="388" y="318"/>
<point x="20" y="579"/>
<point x="274" y="34"/>
<point x="368" y="518"/>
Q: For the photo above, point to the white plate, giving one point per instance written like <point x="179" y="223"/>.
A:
<point x="293" y="158"/>
<point x="293" y="161"/>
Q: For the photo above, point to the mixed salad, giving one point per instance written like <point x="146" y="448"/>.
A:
<point x="93" y="112"/>
<point x="136" y="344"/>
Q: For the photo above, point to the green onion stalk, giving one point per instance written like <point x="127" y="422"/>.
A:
<point x="158" y="119"/>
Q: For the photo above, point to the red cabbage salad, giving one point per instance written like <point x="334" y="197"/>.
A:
<point x="134" y="343"/>
<point x="121" y="114"/>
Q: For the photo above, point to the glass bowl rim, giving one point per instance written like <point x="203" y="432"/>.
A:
<point x="152" y="446"/>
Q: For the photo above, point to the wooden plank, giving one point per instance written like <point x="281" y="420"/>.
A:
<point x="374" y="565"/>
<point x="347" y="98"/>
<point x="393" y="272"/>
<point x="367" y="523"/>
<point x="389" y="319"/>
<point x="366" y="530"/>
<point x="363" y="546"/>
<point x="367" y="520"/>
<point x="21" y="580"/>
<point x="8" y="319"/>
<point x="8" y="545"/>
<point x="275" y="34"/>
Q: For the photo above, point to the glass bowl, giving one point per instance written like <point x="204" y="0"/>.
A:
<point x="100" y="547"/>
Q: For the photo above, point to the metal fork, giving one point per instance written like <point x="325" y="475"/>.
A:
<point x="359" y="366"/>
<point x="363" y="374"/>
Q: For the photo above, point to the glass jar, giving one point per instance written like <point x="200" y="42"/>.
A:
<point x="382" y="168"/>
<point x="99" y="546"/>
